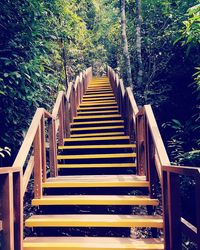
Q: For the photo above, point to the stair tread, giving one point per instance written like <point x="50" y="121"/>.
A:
<point x="91" y="243"/>
<point x="98" y="95"/>
<point x="96" y="181"/>
<point x="102" y="138"/>
<point x="97" y="156"/>
<point x="98" y="165"/>
<point x="97" y="116"/>
<point x="98" y="112"/>
<point x="94" y="220"/>
<point x="99" y="146"/>
<point x="96" y="128"/>
<point x="94" y="200"/>
<point x="98" y="104"/>
<point x="97" y="134"/>
<point x="96" y="122"/>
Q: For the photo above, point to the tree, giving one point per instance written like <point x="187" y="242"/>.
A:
<point x="125" y="44"/>
<point x="139" y="42"/>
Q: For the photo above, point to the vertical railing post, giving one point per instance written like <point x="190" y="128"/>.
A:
<point x="173" y="238"/>
<point x="150" y="163"/>
<point x="43" y="148"/>
<point x="140" y="142"/>
<point x="7" y="212"/>
<point x="61" y="128"/>
<point x="52" y="148"/>
<point x="18" y="210"/>
<point x="38" y="164"/>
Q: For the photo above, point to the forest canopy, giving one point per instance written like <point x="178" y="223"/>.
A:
<point x="44" y="44"/>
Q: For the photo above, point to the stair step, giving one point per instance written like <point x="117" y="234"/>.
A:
<point x="97" y="122"/>
<point x="98" y="98"/>
<point x="94" y="108"/>
<point x="97" y="112"/>
<point x="98" y="146"/>
<point x="96" y="156"/>
<point x="98" y="165"/>
<point x="96" y="117"/>
<point x="96" y="128"/>
<point x="90" y="220"/>
<point x="91" y="243"/>
<point x="96" y="181"/>
<point x="95" y="200"/>
<point x="111" y="138"/>
<point x="98" y="104"/>
<point x="99" y="101"/>
<point x="94" y="92"/>
<point x="98" y="134"/>
<point x="98" y="95"/>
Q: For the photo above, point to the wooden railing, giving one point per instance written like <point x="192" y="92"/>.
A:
<point x="45" y="132"/>
<point x="153" y="161"/>
<point x="126" y="103"/>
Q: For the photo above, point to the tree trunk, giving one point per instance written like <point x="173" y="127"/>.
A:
<point x="125" y="44"/>
<point x="139" y="42"/>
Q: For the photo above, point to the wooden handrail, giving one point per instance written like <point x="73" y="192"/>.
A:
<point x="153" y="161"/>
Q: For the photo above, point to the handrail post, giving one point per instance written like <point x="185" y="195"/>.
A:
<point x="38" y="164"/>
<point x="52" y="148"/>
<point x="11" y="208"/>
<point x="172" y="215"/>
<point x="140" y="142"/>
<point x="61" y="124"/>
<point x="43" y="148"/>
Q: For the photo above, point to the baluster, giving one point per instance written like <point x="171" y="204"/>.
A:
<point x="52" y="148"/>
<point x="38" y="164"/>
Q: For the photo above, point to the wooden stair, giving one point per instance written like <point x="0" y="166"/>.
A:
<point x="97" y="170"/>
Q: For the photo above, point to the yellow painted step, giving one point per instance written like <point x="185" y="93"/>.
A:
<point x="98" y="95"/>
<point x="90" y="220"/>
<point x="111" y="138"/>
<point x="96" y="128"/>
<point x="98" y="146"/>
<point x="97" y="134"/>
<point x="98" y="98"/>
<point x="95" y="200"/>
<point x="97" y="117"/>
<point x="97" y="122"/>
<point x="94" y="92"/>
<point x="102" y="107"/>
<point x="98" y="112"/>
<point x="98" y="104"/>
<point x="96" y="181"/>
<point x="91" y="243"/>
<point x="96" y="156"/>
<point x="101" y="101"/>
<point x="98" y="165"/>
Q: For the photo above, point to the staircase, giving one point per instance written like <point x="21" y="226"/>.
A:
<point x="92" y="202"/>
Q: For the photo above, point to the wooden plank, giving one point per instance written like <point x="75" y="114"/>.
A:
<point x="83" y="112"/>
<point x="97" y="122"/>
<point x="97" y="135"/>
<point x="98" y="104"/>
<point x="90" y="220"/>
<point x="8" y="212"/>
<point x="86" y="98"/>
<point x="99" y="146"/>
<point x="96" y="156"/>
<point x="96" y="117"/>
<point x="96" y="181"/>
<point x="96" y="128"/>
<point x="95" y="200"/>
<point x="102" y="107"/>
<point x="91" y="243"/>
<point x="98" y="95"/>
<point x="98" y="165"/>
<point x="103" y="138"/>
